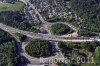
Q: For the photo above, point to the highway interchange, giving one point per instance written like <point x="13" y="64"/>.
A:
<point x="47" y="36"/>
<point x="41" y="36"/>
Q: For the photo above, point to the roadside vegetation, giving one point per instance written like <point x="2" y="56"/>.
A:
<point x="20" y="36"/>
<point x="39" y="48"/>
<point x="83" y="49"/>
<point x="60" y="29"/>
<point x="35" y="26"/>
<point x="8" y="51"/>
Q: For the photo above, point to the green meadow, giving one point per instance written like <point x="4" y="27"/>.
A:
<point x="18" y="6"/>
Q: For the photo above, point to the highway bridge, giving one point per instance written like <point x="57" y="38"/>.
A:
<point x="47" y="36"/>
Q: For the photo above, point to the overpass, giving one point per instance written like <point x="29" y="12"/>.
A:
<point x="47" y="36"/>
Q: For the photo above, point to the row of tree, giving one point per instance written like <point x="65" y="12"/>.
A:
<point x="20" y="37"/>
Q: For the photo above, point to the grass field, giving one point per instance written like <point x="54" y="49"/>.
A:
<point x="18" y="6"/>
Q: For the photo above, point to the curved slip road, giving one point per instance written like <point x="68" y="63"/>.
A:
<point x="46" y="36"/>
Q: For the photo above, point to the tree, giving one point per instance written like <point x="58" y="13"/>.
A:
<point x="97" y="52"/>
<point x="89" y="12"/>
<point x="20" y="36"/>
<point x="8" y="53"/>
<point x="60" y="29"/>
<point x="39" y="48"/>
<point x="15" y="19"/>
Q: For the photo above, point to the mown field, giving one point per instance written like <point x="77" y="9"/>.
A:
<point x="18" y="6"/>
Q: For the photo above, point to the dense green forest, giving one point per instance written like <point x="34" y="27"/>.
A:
<point x="39" y="48"/>
<point x="83" y="49"/>
<point x="89" y="10"/>
<point x="14" y="19"/>
<point x="8" y="53"/>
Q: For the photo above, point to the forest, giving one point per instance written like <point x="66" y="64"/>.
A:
<point x="89" y="11"/>
<point x="8" y="51"/>
<point x="14" y="19"/>
<point x="81" y="49"/>
<point x="39" y="48"/>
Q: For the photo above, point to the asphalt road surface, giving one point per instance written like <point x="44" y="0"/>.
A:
<point x="46" y="36"/>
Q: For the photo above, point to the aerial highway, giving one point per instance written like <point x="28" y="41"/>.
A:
<point x="44" y="26"/>
<point x="47" y="36"/>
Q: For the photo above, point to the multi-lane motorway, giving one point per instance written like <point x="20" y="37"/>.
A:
<point x="47" y="36"/>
